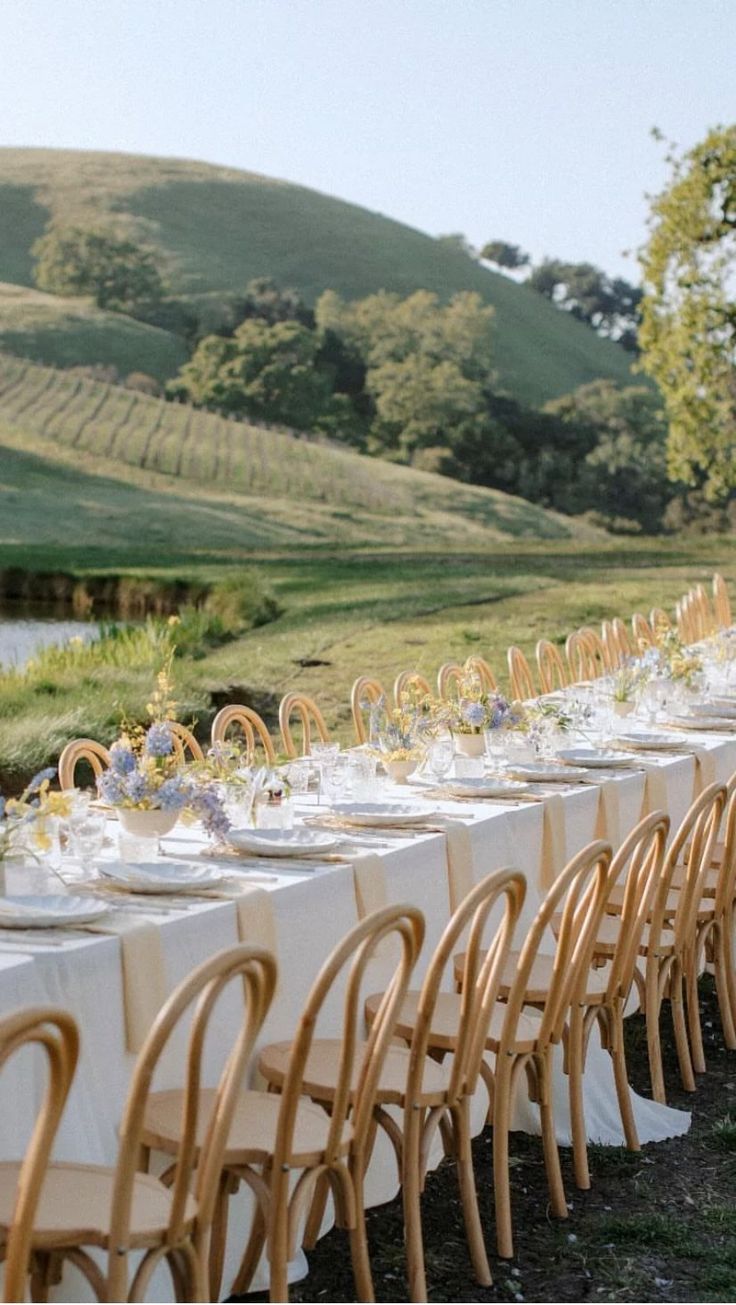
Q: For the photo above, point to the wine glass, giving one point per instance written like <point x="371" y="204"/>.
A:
<point x="440" y="756"/>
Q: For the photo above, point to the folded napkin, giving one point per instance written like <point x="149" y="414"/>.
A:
<point x="460" y="872"/>
<point x="608" y="817"/>
<point x="554" y="843"/>
<point x="144" y="974"/>
<point x="256" y="922"/>
<point x="369" y="878"/>
<point x="655" y="788"/>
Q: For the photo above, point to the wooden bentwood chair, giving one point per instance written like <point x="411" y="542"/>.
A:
<point x="273" y="1135"/>
<point x="250" y="725"/>
<point x="55" y="1032"/>
<point x="553" y="673"/>
<point x="120" y="1210"/>
<point x="185" y="742"/>
<point x="429" y="1093"/>
<point x="310" y="718"/>
<point x="365" y="693"/>
<point x="537" y="994"/>
<point x="410" y="682"/>
<point x="721" y="602"/>
<point x="75" y="753"/>
<point x="520" y="674"/>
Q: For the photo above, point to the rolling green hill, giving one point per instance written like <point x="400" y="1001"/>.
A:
<point x="217" y="228"/>
<point x="93" y="467"/>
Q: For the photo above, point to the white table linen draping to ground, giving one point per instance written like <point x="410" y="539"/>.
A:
<point x="311" y="912"/>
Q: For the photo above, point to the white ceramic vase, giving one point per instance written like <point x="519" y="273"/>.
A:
<point x="147" y="824"/>
<point x="399" y="771"/>
<point x="469" y="745"/>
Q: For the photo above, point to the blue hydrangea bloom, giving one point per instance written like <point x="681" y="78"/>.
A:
<point x="159" y="739"/>
<point x="122" y="759"/>
<point x="40" y="778"/>
<point x="110" y="788"/>
<point x="173" y="794"/>
<point x="136" y="787"/>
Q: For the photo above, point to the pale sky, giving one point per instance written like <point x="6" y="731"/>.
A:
<point x="526" y="120"/>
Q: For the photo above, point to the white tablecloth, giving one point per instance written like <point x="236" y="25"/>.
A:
<point x="312" y="911"/>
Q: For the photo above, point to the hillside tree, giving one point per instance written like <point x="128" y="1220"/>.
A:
<point x="504" y="254"/>
<point x="688" y="331"/>
<point x="116" y="273"/>
<point x="610" y="305"/>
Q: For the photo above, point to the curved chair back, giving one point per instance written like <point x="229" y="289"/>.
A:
<point x="694" y="844"/>
<point x="349" y="960"/>
<point x="642" y="632"/>
<point x="365" y="693"/>
<point x="638" y="865"/>
<point x="721" y="602"/>
<point x="622" y="637"/>
<point x="449" y="678"/>
<point x="185" y="742"/>
<point x="581" y="657"/>
<point x="706" y="609"/>
<point x="311" y="721"/>
<point x="483" y="965"/>
<point x="578" y="896"/>
<point x="613" y="655"/>
<point x="408" y="682"/>
<point x="250" y="725"/>
<point x="55" y="1032"/>
<point x="198" y="1167"/>
<point x="726" y="882"/>
<point x="659" y="619"/>
<point x="596" y="648"/>
<point x="81" y="750"/>
<point x="520" y="675"/>
<point x="553" y="673"/>
<point x="476" y="665"/>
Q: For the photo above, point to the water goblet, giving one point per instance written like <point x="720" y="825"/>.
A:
<point x="87" y="837"/>
<point x="440" y="756"/>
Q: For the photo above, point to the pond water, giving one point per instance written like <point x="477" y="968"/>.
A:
<point x="22" y="636"/>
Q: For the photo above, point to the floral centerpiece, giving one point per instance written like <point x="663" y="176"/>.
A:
<point x="399" y="733"/>
<point x="27" y="822"/>
<point x="671" y="659"/>
<point x="474" y="711"/>
<point x="147" y="780"/>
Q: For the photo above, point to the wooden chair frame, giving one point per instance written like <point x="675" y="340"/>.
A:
<point x="581" y="657"/>
<point x="253" y="727"/>
<point x="408" y="680"/>
<point x="184" y="741"/>
<point x="194" y="1179"/>
<point x="613" y="655"/>
<point x="56" y="1033"/>
<point x="553" y="673"/>
<point x="621" y="635"/>
<point x="520" y="674"/>
<point x="642" y="632"/>
<point x="365" y="692"/>
<point x="480" y="667"/>
<point x="721" y="602"/>
<point x="97" y="756"/>
<point x="310" y="718"/>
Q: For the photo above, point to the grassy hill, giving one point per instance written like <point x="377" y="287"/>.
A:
<point x="217" y="227"/>
<point x="91" y="466"/>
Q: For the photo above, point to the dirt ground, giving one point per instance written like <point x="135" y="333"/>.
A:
<point x="659" y="1225"/>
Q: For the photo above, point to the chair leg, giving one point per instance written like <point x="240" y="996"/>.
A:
<point x="251" y="1255"/>
<point x="411" y="1187"/>
<point x="501" y="1178"/>
<point x="697" y="1051"/>
<point x="557" y="1197"/>
<point x="652" y="1006"/>
<point x="469" y="1195"/>
<point x="721" y="947"/>
<point x="575" y="1058"/>
<point x="218" y="1235"/>
<point x="621" y="1078"/>
<point x="316" y="1212"/>
<point x="359" y="1246"/>
<point x="680" y="1028"/>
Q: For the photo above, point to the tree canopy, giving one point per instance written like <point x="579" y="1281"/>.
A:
<point x="688" y="330"/>
<point x="116" y="273"/>
<point x="504" y="254"/>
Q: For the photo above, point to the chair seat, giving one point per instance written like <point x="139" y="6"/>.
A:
<point x="76" y="1204"/>
<point x="253" y="1133"/>
<point x="540" y="978"/>
<point x="705" y="909"/>
<point x="322" y="1071"/>
<point x="446" y="1020"/>
<point x="608" y="935"/>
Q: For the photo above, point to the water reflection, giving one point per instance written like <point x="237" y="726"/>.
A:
<point x="22" y="636"/>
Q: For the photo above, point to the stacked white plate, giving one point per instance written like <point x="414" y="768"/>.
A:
<point x="49" y="911"/>
<point x="703" y="723"/>
<point x="649" y="743"/>
<point x="543" y="772"/>
<point x="483" y="788"/>
<point x="382" y="814"/>
<point x="282" y="842"/>
<point x="160" y="876"/>
<point x="593" y="759"/>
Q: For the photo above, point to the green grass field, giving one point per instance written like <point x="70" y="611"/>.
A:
<point x="218" y="227"/>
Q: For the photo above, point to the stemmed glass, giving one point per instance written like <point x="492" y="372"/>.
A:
<point x="440" y="756"/>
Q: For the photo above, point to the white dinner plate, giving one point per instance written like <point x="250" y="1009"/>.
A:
<point x="43" y="912"/>
<point x="160" y="876"/>
<point x="483" y="788"/>
<point x="648" y="742"/>
<point x="703" y="723"/>
<point x="543" y="772"/>
<point x="281" y="842"/>
<point x="593" y="759"/>
<point x="723" y="707"/>
<point x="381" y="813"/>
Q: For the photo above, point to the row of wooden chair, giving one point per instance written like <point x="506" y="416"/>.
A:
<point x="646" y="916"/>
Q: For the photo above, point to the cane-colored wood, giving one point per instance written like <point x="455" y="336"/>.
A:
<point x="411" y="682"/>
<point x="449" y="679"/>
<point x="623" y="640"/>
<point x="310" y="719"/>
<point x="721" y="602"/>
<point x="553" y="672"/>
<point x="613" y="655"/>
<point x="686" y="620"/>
<point x="81" y="750"/>
<point x="522" y="1038"/>
<point x="452" y="675"/>
<point x="273" y="1135"/>
<point x="636" y="868"/>
<point x="706" y="609"/>
<point x="252" y="727"/>
<point x="120" y="1210"/>
<point x="475" y="665"/>
<point x="520" y="676"/>
<point x="659" y="620"/>
<point x="418" y="1084"/>
<point x="669" y="936"/>
<point x="185" y="744"/>
<point x="642" y="632"/>
<point x="55" y="1033"/>
<point x="581" y="657"/>
<point x="365" y="693"/>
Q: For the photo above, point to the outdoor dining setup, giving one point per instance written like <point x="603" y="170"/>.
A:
<point x="251" y="986"/>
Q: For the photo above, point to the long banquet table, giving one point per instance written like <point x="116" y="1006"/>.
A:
<point x="310" y="911"/>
